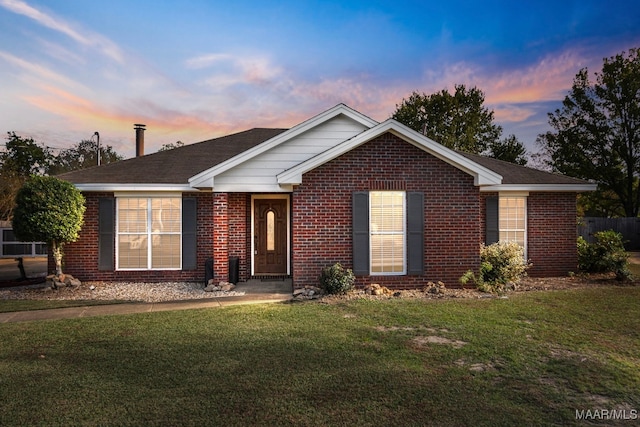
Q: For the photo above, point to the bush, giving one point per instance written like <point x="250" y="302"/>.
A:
<point x="501" y="264"/>
<point x="336" y="279"/>
<point x="49" y="210"/>
<point x="605" y="255"/>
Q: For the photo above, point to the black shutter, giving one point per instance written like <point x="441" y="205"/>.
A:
<point x="415" y="233"/>
<point x="492" y="232"/>
<point x="189" y="228"/>
<point x="360" y="216"/>
<point x="106" y="233"/>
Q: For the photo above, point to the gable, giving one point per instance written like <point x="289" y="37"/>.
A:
<point x="388" y="162"/>
<point x="481" y="175"/>
<point x="257" y="169"/>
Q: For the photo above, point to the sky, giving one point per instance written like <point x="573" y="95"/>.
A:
<point x="196" y="70"/>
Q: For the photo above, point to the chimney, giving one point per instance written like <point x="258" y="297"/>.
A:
<point x="139" y="139"/>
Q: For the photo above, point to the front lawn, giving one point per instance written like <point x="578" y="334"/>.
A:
<point x="532" y="359"/>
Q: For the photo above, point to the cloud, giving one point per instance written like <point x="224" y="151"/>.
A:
<point x="208" y="60"/>
<point x="37" y="70"/>
<point x="229" y="70"/>
<point x="546" y="80"/>
<point x="82" y="36"/>
<point x="513" y="112"/>
<point x="513" y="93"/>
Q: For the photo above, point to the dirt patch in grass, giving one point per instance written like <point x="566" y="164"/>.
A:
<point x="421" y="341"/>
<point x="475" y="367"/>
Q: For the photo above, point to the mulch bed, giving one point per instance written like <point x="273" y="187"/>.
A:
<point x="528" y="284"/>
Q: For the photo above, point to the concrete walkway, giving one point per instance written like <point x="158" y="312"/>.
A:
<point x="256" y="292"/>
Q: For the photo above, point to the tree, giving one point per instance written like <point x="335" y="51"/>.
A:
<point x="171" y="146"/>
<point x="23" y="157"/>
<point x="596" y="133"/>
<point x="49" y="210"/>
<point x="84" y="155"/>
<point x="459" y="121"/>
<point x="509" y="149"/>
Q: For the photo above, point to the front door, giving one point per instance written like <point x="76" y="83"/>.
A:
<point x="270" y="236"/>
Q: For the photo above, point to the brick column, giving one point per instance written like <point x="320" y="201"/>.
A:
<point x="220" y="236"/>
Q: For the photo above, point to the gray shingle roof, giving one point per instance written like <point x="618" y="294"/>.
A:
<point x="178" y="165"/>
<point x="173" y="166"/>
<point x="516" y="174"/>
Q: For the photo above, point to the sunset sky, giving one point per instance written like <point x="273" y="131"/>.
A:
<point x="195" y="70"/>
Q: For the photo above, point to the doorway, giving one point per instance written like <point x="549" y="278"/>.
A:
<point x="270" y="243"/>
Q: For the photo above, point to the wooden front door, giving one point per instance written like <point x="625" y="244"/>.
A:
<point x="270" y="236"/>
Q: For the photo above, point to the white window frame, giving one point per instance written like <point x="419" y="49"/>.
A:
<point x="373" y="232"/>
<point x="524" y="197"/>
<point x="149" y="231"/>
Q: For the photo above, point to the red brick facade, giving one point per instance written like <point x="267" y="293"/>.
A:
<point x="239" y="235"/>
<point x="321" y="222"/>
<point x="220" y="236"/>
<point x="552" y="232"/>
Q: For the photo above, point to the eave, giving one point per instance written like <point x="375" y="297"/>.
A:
<point x="106" y="187"/>
<point x="558" y="188"/>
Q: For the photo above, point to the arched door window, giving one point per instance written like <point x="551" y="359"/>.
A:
<point x="271" y="230"/>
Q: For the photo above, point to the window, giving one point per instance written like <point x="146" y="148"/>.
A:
<point x="513" y="220"/>
<point x="387" y="232"/>
<point x="271" y="231"/>
<point x="149" y="233"/>
<point x="11" y="246"/>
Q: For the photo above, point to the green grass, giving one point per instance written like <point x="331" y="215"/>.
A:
<point x="532" y="359"/>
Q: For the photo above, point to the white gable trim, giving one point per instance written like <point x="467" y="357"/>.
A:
<point x="205" y="179"/>
<point x="482" y="176"/>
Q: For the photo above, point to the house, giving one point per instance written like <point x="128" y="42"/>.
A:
<point x="396" y="207"/>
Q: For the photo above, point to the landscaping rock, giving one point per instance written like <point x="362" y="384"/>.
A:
<point x="221" y="286"/>
<point x="376" y="289"/>
<point x="308" y="292"/>
<point x="54" y="282"/>
<point x="434" y="288"/>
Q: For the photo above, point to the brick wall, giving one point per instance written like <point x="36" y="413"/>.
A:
<point x="239" y="225"/>
<point x="81" y="257"/>
<point x="220" y="236"/>
<point x="552" y="233"/>
<point x="322" y="225"/>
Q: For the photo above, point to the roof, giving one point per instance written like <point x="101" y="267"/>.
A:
<point x="197" y="166"/>
<point x="516" y="177"/>
<point x="173" y="166"/>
